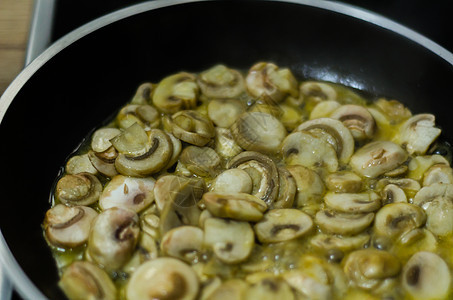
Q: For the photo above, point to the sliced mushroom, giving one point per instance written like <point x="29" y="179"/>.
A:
<point x="329" y="243"/>
<point x="201" y="161"/>
<point x="324" y="109"/>
<point x="149" y="223"/>
<point x="184" y="242"/>
<point x="104" y="162"/>
<point x="393" y="194"/>
<point x="394" y="109"/>
<point x="368" y="268"/>
<point x="395" y="219"/>
<point x="433" y="192"/>
<point x="426" y="276"/>
<point x="271" y="109"/>
<point x="224" y="112"/>
<point x="113" y="237"/>
<point x="171" y="278"/>
<point x="83" y="280"/>
<point x="258" y="131"/>
<point x="190" y="126"/>
<point x="145" y="250"/>
<point x="176" y="92"/>
<point x="343" y="223"/>
<point x="291" y="117"/>
<point x="100" y="140"/>
<point x="308" y="285"/>
<point x="144" y="93"/>
<point x="344" y="182"/>
<point x="127" y="192"/>
<point x="145" y="115"/>
<point x="267" y="82"/>
<point x="418" y="133"/>
<point x="409" y="186"/>
<point x="357" y="119"/>
<point x="309" y="184"/>
<point x="225" y="145"/>
<point x="238" y="206"/>
<point x="177" y="148"/>
<point x="78" y="189"/>
<point x="221" y="82"/>
<point x="343" y="141"/>
<point x="159" y="150"/>
<point x="283" y="224"/>
<point x="314" y="91"/>
<point x="438" y="173"/>
<point x="80" y="164"/>
<point x="269" y="289"/>
<point x="233" y="181"/>
<point x="377" y="157"/>
<point x="287" y="189"/>
<point x="419" y="164"/>
<point x="68" y="226"/>
<point x="222" y="237"/>
<point x="353" y="202"/>
<point x="230" y="289"/>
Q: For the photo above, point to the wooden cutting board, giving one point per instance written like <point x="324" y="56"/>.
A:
<point x="15" y="18"/>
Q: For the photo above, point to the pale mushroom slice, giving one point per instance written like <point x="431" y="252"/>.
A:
<point x="433" y="192"/>
<point x="418" y="133"/>
<point x="291" y="117"/>
<point x="176" y="92"/>
<point x="127" y="192"/>
<point x="392" y="193"/>
<point x="308" y="285"/>
<point x="184" y="242"/>
<point x="279" y="225"/>
<point x="343" y="141"/>
<point x="170" y="278"/>
<point x="408" y="185"/>
<point x="393" y="109"/>
<point x="309" y="186"/>
<point x="221" y="82"/>
<point x="143" y="114"/>
<point x="224" y="143"/>
<point x="159" y="150"/>
<point x="438" y="173"/>
<point x="104" y="162"/>
<point x="324" y="109"/>
<point x="238" y="206"/>
<point x="426" y="276"/>
<point x="84" y="280"/>
<point x="113" y="237"/>
<point x="190" y="126"/>
<point x="232" y="181"/>
<point x="368" y="268"/>
<point x="224" y="112"/>
<point x="201" y="161"/>
<point x="287" y="189"/>
<point x="230" y="289"/>
<point x="315" y="91"/>
<point x="357" y="119"/>
<point x="268" y="82"/>
<point x="344" y="182"/>
<point x="100" y="140"/>
<point x="270" y="288"/>
<point x="377" y="157"/>
<point x="329" y="243"/>
<point x="80" y="164"/>
<point x="263" y="172"/>
<point x="419" y="164"/>
<point x="68" y="227"/>
<point x="145" y="250"/>
<point x="144" y="93"/>
<point x="353" y="202"/>
<point x="78" y="189"/>
<point x="258" y="131"/>
<point x="343" y="223"/>
<point x="222" y="237"/>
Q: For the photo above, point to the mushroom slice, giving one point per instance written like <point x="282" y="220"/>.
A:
<point x="127" y="192"/>
<point x="201" y="161"/>
<point x="177" y="148"/>
<point x="395" y="219"/>
<point x="258" y="131"/>
<point x="224" y="112"/>
<point x="113" y="237"/>
<point x="190" y="126"/>
<point x="239" y="206"/>
<point x="328" y="242"/>
<point x="283" y="224"/>
<point x="80" y="164"/>
<point x="409" y="186"/>
<point x="171" y="278"/>
<point x="426" y="276"/>
<point x="184" y="192"/>
<point x="306" y="149"/>
<point x="419" y="164"/>
<point x="343" y="140"/>
<point x="158" y="153"/>
<point x="222" y="237"/>
<point x="357" y="119"/>
<point x="344" y="182"/>
<point x="176" y="92"/>
<point x="145" y="115"/>
<point x="144" y="93"/>
<point x="221" y="82"/>
<point x="438" y="173"/>
<point x="78" y="189"/>
<point x="233" y="181"/>
<point x="291" y="117"/>
<point x="309" y="185"/>
<point x="394" y="109"/>
<point x="377" y="157"/>
<point x="308" y="285"/>
<point x="353" y="202"/>
<point x="104" y="162"/>
<point x="270" y="288"/>
<point x="224" y="143"/>
<point x="433" y="192"/>
<point x="287" y="189"/>
<point x="368" y="268"/>
<point x="146" y="250"/>
<point x="184" y="242"/>
<point x="342" y="223"/>
<point x="314" y="91"/>
<point x="263" y="172"/>
<point x="100" y="141"/>
<point x="68" y="226"/>
<point x="230" y="289"/>
<point x="393" y="194"/>
<point x="324" y="109"/>
<point x="83" y="280"/>
<point x="418" y="133"/>
<point x="132" y="141"/>
<point x="267" y="82"/>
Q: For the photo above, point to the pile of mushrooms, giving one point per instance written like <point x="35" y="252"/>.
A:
<point x="255" y="185"/>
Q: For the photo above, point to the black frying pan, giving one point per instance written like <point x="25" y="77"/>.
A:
<point x="85" y="77"/>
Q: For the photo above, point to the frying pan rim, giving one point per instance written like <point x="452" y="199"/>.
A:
<point x="10" y="266"/>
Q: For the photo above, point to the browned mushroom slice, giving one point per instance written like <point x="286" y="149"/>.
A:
<point x="176" y="92"/>
<point x="314" y="91"/>
<point x="418" y="133"/>
<point x="262" y="171"/>
<point x="357" y="119"/>
<point x="145" y="115"/>
<point x="224" y="112"/>
<point x="83" y="280"/>
<point x="287" y="189"/>
<point x="392" y="193"/>
<point x="159" y="150"/>
<point x="190" y="126"/>
<point x="267" y="82"/>
<point x="353" y="202"/>
<point x="343" y="223"/>
<point x="201" y="161"/>
<point x="78" y="189"/>
<point x="144" y="93"/>
<point x="68" y="226"/>
<point x="258" y="131"/>
<point x="104" y="162"/>
<point x="221" y="82"/>
<point x="113" y="237"/>
<point x="395" y="110"/>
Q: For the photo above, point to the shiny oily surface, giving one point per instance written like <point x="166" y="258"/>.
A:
<point x="253" y="185"/>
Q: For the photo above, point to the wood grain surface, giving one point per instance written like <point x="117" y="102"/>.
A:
<point x="15" y="17"/>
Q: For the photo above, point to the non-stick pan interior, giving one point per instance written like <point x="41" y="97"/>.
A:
<point x="86" y="82"/>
